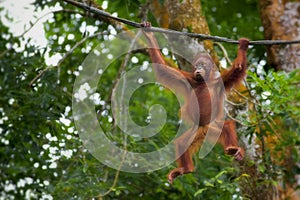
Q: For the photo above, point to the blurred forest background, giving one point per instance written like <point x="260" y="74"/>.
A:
<point x="42" y="156"/>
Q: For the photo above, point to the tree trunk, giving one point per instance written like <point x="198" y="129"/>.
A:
<point x="183" y="15"/>
<point x="281" y="21"/>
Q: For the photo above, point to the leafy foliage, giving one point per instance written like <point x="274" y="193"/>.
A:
<point x="42" y="156"/>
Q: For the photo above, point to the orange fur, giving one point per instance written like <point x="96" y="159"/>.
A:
<point x="209" y="93"/>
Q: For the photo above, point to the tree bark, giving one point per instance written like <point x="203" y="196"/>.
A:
<point x="183" y="15"/>
<point x="281" y="21"/>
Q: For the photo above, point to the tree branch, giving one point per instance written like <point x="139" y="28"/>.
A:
<point x="63" y="58"/>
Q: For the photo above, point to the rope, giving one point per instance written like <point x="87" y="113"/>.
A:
<point x="161" y="30"/>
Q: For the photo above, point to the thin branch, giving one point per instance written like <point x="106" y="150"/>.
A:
<point x="27" y="30"/>
<point x="78" y="44"/>
<point x="34" y="23"/>
<point x="238" y="121"/>
<point x="235" y="104"/>
<point x="100" y="196"/>
<point x="4" y="52"/>
<point x="39" y="75"/>
<point x="38" y="19"/>
<point x="122" y="69"/>
<point x="161" y="30"/>
<point x="64" y="57"/>
<point x="225" y="54"/>
<point x="241" y="95"/>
